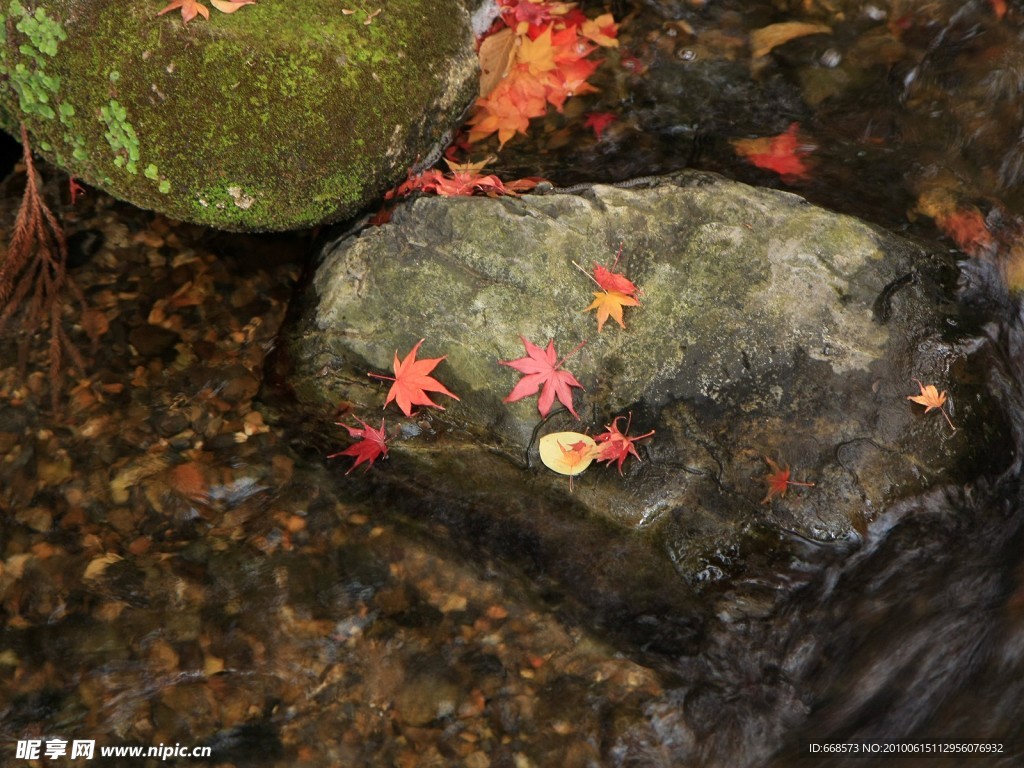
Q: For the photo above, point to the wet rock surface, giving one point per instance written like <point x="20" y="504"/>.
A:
<point x="769" y="328"/>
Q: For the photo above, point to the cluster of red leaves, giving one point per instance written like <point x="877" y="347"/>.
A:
<point x="782" y="154"/>
<point x="545" y="48"/>
<point x="461" y="181"/>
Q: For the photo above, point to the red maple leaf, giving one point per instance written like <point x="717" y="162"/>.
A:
<point x="614" y="281"/>
<point x="783" y="153"/>
<point x="598" y="121"/>
<point x="609" y="280"/>
<point x="778" y="481"/>
<point x="411" y="382"/>
<point x="618" y="445"/>
<point x="541" y="369"/>
<point x="371" y="446"/>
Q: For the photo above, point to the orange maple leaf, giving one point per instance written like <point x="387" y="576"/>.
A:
<point x="778" y="481"/>
<point x="411" y="382"/>
<point x="540" y="369"/>
<point x="372" y="444"/>
<point x="930" y="397"/>
<point x="610" y="304"/>
<point x="190" y="8"/>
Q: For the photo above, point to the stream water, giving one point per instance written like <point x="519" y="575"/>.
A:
<point x="180" y="566"/>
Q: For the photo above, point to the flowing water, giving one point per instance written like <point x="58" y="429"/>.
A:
<point x="178" y="571"/>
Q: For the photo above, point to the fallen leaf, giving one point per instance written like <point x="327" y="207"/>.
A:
<point x="603" y="30"/>
<point x="610" y="304"/>
<point x="98" y="565"/>
<point x="371" y="446"/>
<point x="617" y="291"/>
<point x="598" y="121"/>
<point x="763" y="40"/>
<point x="616" y="445"/>
<point x="411" y="382"/>
<point x="542" y="63"/>
<point x="540" y="369"/>
<point x="931" y="398"/>
<point x="778" y="481"/>
<point x="783" y="153"/>
<point x="190" y="8"/>
<point x="567" y="453"/>
<point x="564" y="457"/>
<point x="497" y="52"/>
<point x="230" y="6"/>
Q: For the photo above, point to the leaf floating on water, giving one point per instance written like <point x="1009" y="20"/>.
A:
<point x="763" y="40"/>
<point x="497" y="53"/>
<point x="783" y="153"/>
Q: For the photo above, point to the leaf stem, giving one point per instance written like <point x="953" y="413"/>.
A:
<point x="581" y="269"/>
<point x="948" y="421"/>
<point x="574" y="351"/>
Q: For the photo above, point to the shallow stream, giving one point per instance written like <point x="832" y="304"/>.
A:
<point x="181" y="566"/>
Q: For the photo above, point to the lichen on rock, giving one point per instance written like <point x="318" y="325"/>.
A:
<point x="306" y="113"/>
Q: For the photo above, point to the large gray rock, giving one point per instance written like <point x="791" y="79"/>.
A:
<point x="769" y="328"/>
<point x="279" y="116"/>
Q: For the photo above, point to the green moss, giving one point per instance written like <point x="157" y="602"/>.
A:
<point x="28" y="78"/>
<point x="309" y="121"/>
<point x="120" y="135"/>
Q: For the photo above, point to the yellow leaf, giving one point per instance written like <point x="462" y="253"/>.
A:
<point x="98" y="565"/>
<point x="567" y="453"/>
<point x="610" y="304"/>
<point x="230" y="6"/>
<point x="537" y="54"/>
<point x="763" y="40"/>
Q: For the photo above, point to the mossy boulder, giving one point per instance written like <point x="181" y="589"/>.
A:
<point x="282" y="115"/>
<point x="769" y="328"/>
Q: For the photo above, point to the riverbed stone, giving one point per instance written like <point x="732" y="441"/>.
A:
<point x="278" y="116"/>
<point x="769" y="329"/>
